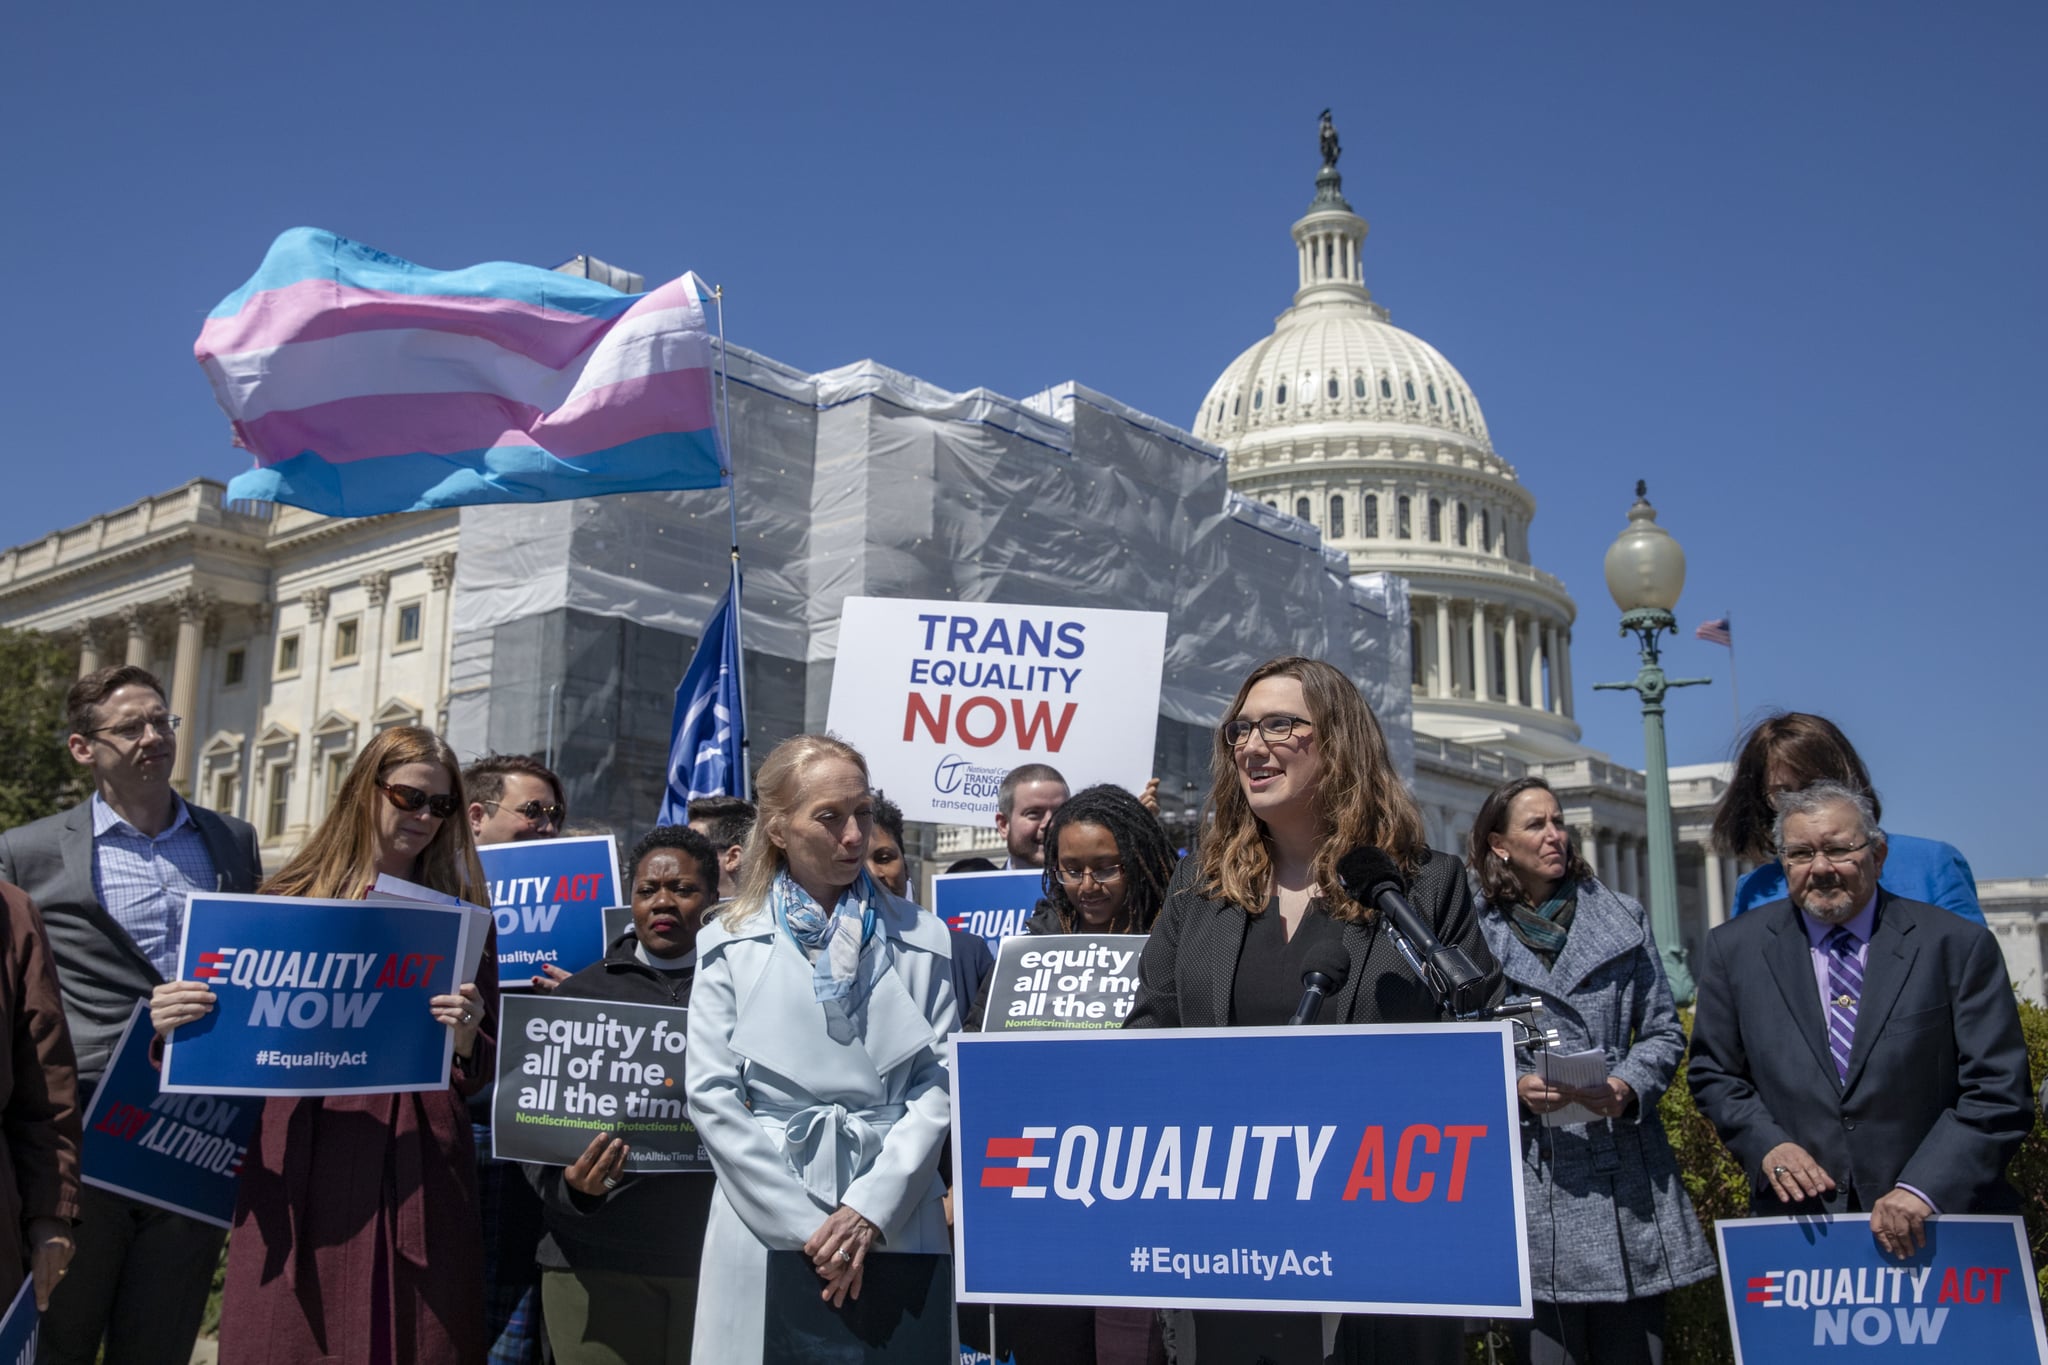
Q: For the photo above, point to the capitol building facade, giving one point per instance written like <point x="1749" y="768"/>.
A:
<point x="1364" y="515"/>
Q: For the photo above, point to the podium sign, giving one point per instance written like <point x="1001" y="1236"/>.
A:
<point x="1350" y="1169"/>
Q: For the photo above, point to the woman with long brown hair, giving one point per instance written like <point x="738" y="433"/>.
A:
<point x="1301" y="777"/>
<point x="1791" y="751"/>
<point x="342" y="1196"/>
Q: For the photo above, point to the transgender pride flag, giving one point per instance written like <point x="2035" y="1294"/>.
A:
<point x="364" y="384"/>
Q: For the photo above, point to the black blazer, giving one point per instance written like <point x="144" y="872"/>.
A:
<point x="1190" y="963"/>
<point x="101" y="971"/>
<point x="1937" y="1095"/>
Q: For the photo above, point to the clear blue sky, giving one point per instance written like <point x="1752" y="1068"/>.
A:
<point x="1783" y="261"/>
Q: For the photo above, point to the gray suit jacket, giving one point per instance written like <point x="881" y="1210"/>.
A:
<point x="1189" y="968"/>
<point x="1937" y="1095"/>
<point x="101" y="971"/>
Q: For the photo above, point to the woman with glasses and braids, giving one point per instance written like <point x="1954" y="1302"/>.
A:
<point x="1302" y="777"/>
<point x="345" y="1198"/>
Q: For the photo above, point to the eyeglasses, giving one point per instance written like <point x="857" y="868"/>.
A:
<point x="1800" y="857"/>
<point x="1104" y="876"/>
<point x="1275" y="728"/>
<point x="412" y="799"/>
<point x="129" y="731"/>
<point x="536" y="811"/>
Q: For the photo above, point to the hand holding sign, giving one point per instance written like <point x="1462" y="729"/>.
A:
<point x="464" y="1013"/>
<point x="598" y="1170"/>
<point x="176" y="1003"/>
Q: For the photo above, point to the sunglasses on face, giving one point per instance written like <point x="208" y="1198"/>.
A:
<point x="411" y="799"/>
<point x="539" y="812"/>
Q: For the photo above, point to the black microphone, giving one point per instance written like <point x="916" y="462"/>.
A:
<point x="1373" y="879"/>
<point x="1328" y="965"/>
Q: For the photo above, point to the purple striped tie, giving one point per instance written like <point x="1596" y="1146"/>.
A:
<point x="1845" y="990"/>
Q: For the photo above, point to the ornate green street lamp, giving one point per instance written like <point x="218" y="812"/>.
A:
<point x="1645" y="573"/>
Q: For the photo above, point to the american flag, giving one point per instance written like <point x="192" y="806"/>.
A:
<point x="1716" y="632"/>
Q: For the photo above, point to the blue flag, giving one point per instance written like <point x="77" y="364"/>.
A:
<point x="704" y="743"/>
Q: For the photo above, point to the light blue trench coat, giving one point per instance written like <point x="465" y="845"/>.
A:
<point x="801" y="1115"/>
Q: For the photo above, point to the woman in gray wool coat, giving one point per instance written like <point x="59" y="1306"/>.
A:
<point x="1610" y="1227"/>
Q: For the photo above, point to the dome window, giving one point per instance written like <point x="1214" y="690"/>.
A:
<point x="1334" y="390"/>
<point x="1280" y="395"/>
<point x="1386" y="387"/>
<point x="1464" y="525"/>
<point x="1336" y="510"/>
<point x="1436" y="520"/>
<point x="1408" y="385"/>
<point x="1258" y="398"/>
<point x="1369" y="521"/>
<point x="1485" y="530"/>
<point x="1402" y="528"/>
<point x="1358" y="385"/>
<point x="1432" y="395"/>
<point x="1236" y="405"/>
<point x="1301" y="508"/>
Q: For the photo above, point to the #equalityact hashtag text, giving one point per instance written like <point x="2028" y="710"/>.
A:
<point x="1236" y="1261"/>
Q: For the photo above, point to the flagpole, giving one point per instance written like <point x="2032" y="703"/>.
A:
<point x="745" y="781"/>
<point x="1734" y="683"/>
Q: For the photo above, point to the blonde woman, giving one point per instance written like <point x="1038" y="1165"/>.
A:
<point x="816" y="1075"/>
<point x="345" y="1198"/>
<point x="1302" y="777"/>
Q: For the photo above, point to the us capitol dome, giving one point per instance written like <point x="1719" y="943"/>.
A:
<point x="1368" y="433"/>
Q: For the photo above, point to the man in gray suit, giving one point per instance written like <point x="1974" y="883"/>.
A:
<point x="111" y="875"/>
<point x="1857" y="1051"/>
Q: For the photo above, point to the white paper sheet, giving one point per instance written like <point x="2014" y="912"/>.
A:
<point x="1580" y="1071"/>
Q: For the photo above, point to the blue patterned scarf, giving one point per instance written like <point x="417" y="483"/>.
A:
<point x="832" y="941"/>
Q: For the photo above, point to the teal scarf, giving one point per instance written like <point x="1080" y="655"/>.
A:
<point x="1545" y="928"/>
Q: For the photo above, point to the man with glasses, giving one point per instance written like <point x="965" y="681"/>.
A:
<point x="111" y="875"/>
<point x="1859" y="1052"/>
<point x="512" y="798"/>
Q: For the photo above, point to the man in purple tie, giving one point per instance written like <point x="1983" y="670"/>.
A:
<point x="1857" y="1051"/>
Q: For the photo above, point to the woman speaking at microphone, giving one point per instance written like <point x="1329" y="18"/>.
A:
<point x="345" y="1198"/>
<point x="1302" y="777"/>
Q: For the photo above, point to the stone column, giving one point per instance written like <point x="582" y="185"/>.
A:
<point x="262" y="663"/>
<point x="1563" y="664"/>
<point x="1532" y="664"/>
<point x="192" y="607"/>
<point x="441" y="574"/>
<point x="88" y="642"/>
<point x="1717" y="904"/>
<point x="1511" y="664"/>
<point x="313" y="667"/>
<point x="377" y="586"/>
<point x="1442" y="686"/>
<point x="1603" y="857"/>
<point x="136" y="619"/>
<point x="1552" y="703"/>
<point x="1480" y="680"/>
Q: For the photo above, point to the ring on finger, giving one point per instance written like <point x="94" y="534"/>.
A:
<point x="845" y="1256"/>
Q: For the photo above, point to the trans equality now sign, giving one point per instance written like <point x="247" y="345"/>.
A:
<point x="943" y="698"/>
<point x="315" y="997"/>
<point x="1358" y="1168"/>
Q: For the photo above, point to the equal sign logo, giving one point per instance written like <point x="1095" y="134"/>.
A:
<point x="1017" y="1178"/>
<point x="1768" y="1290"/>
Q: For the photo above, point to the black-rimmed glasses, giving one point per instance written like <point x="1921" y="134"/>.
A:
<point x="1275" y="729"/>
<point x="130" y="731"/>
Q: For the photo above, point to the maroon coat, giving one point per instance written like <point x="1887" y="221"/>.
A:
<point x="38" y="1088"/>
<point x="343" y="1201"/>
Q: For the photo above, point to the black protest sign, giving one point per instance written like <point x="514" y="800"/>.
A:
<point x="569" y="1069"/>
<point x="1062" y="981"/>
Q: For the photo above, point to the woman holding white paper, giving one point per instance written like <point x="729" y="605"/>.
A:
<point x="816" y="1073"/>
<point x="1610" y="1227"/>
<point x="345" y="1197"/>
